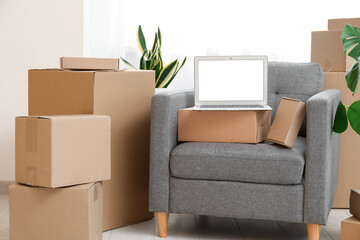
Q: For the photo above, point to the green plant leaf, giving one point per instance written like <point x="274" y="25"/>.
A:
<point x="157" y="68"/>
<point x="160" y="39"/>
<point x="148" y="64"/>
<point x="351" y="37"/>
<point x="155" y="47"/>
<point x="175" y="73"/>
<point x="353" y="115"/>
<point x="352" y="77"/>
<point x="166" y="74"/>
<point x="142" y="60"/>
<point x="341" y="121"/>
<point x="141" y="40"/>
<point x="127" y="63"/>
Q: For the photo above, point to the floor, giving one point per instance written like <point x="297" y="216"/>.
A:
<point x="183" y="226"/>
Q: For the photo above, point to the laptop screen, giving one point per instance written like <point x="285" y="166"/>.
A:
<point x="231" y="80"/>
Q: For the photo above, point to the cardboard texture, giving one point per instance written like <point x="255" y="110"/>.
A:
<point x="340" y="23"/>
<point x="56" y="151"/>
<point x="327" y="50"/>
<point x="355" y="203"/>
<point x="349" y="177"/>
<point x="81" y="63"/>
<point x="287" y="122"/>
<point x="126" y="97"/>
<point x="350" y="229"/>
<point x="223" y="126"/>
<point x="56" y="213"/>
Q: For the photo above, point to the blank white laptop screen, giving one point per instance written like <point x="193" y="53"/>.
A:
<point x="234" y="80"/>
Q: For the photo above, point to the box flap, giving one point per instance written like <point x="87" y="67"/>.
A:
<point x="85" y="63"/>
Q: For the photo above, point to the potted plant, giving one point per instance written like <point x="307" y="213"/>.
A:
<point x="151" y="59"/>
<point x="350" y="113"/>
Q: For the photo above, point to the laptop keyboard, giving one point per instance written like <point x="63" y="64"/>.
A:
<point x="231" y="106"/>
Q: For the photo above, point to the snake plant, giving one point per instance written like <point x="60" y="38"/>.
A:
<point x="151" y="59"/>
<point x="351" y="39"/>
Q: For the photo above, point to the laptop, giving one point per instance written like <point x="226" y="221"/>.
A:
<point x="231" y="83"/>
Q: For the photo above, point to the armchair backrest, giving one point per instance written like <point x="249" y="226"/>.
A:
<point x="294" y="80"/>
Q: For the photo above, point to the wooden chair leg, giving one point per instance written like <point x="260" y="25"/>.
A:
<point x="313" y="231"/>
<point x="162" y="221"/>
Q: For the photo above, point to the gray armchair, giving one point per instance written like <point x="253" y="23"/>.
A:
<point x="253" y="181"/>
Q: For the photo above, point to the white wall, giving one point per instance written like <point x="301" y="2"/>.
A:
<point x="33" y="34"/>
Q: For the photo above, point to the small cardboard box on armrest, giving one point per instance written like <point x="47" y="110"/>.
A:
<point x="238" y="126"/>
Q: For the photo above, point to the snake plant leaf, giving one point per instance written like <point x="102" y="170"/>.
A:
<point x="160" y="39"/>
<point x="351" y="38"/>
<point x="141" y="40"/>
<point x="161" y="60"/>
<point x="341" y="121"/>
<point x="353" y="76"/>
<point x="166" y="74"/>
<point x="353" y="115"/>
<point x="177" y="70"/>
<point x="155" y="46"/>
<point x="148" y="64"/>
<point x="127" y="63"/>
<point x="142" y="60"/>
<point x="157" y="68"/>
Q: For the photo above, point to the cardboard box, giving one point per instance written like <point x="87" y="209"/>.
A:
<point x="56" y="213"/>
<point x="57" y="151"/>
<point x="126" y="97"/>
<point x="350" y="229"/>
<point x="327" y="50"/>
<point x="82" y="63"/>
<point x="349" y="164"/>
<point x="340" y="23"/>
<point x="223" y="126"/>
<point x="355" y="203"/>
<point x="287" y="122"/>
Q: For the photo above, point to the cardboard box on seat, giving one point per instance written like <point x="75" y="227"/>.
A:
<point x="56" y="213"/>
<point x="223" y="126"/>
<point x="126" y="97"/>
<point x="340" y="23"/>
<point x="350" y="229"/>
<point x="58" y="151"/>
<point x="327" y="50"/>
<point x="349" y="177"/>
<point x="287" y="122"/>
<point x="81" y="63"/>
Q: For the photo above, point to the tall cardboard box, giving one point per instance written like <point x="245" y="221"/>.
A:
<point x="350" y="229"/>
<point x="349" y="164"/>
<point x="126" y="97"/>
<point x="327" y="50"/>
<point x="82" y="63"/>
<point x="56" y="213"/>
<point x="340" y="23"/>
<point x="223" y="126"/>
<point x="57" y="151"/>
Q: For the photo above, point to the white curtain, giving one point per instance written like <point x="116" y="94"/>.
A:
<point x="279" y="29"/>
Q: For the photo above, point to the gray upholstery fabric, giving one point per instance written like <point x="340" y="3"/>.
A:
<point x="254" y="163"/>
<point x="294" y="80"/>
<point x="163" y="139"/>
<point x="322" y="156"/>
<point x="236" y="199"/>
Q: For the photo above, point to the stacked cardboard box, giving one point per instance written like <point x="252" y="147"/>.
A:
<point x="126" y="97"/>
<point x="350" y="227"/>
<point x="63" y="157"/>
<point x="327" y="50"/>
<point x="62" y="160"/>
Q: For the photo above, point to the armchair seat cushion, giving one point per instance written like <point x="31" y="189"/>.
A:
<point x="253" y="163"/>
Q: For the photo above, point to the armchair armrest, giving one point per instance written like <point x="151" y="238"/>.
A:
<point x="163" y="139"/>
<point x="322" y="156"/>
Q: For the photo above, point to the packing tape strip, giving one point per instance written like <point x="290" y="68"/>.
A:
<point x="31" y="135"/>
<point x="31" y="175"/>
